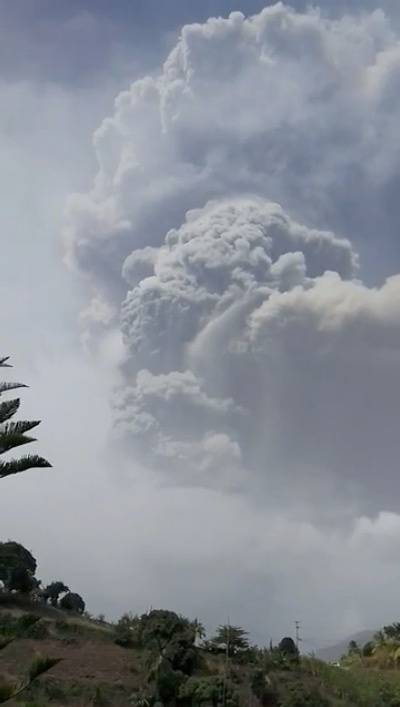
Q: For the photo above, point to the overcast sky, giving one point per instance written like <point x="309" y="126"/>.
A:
<point x="201" y="284"/>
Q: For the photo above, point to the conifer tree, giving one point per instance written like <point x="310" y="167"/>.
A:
<point x="13" y="434"/>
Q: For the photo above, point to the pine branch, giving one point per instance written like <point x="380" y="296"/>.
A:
<point x="9" y="440"/>
<point x="19" y="427"/>
<point x="12" y="434"/>
<point x="15" y="466"/>
<point x="4" y="387"/>
<point x="8" y="409"/>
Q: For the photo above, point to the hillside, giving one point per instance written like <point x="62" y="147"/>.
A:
<point x="90" y="662"/>
<point x="94" y="670"/>
<point x="337" y="650"/>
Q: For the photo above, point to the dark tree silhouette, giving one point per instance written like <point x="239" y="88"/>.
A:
<point x="288" y="646"/>
<point x="14" y="556"/>
<point x="13" y="434"/>
<point x="21" y="580"/>
<point x="72" y="602"/>
<point x="53" y="591"/>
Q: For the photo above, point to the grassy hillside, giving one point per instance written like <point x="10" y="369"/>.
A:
<point x="95" y="670"/>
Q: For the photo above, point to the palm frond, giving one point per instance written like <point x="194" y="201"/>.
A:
<point x="3" y="362"/>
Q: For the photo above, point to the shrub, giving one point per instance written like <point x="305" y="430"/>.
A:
<point x="263" y="689"/>
<point x="182" y="653"/>
<point x="168" y="682"/>
<point x="207" y="691"/>
<point x="301" y="696"/>
<point x="27" y="621"/>
<point x="128" y="631"/>
<point x="368" y="649"/>
<point x="38" y="631"/>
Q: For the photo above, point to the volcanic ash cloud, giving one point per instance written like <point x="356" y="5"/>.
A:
<point x="254" y="359"/>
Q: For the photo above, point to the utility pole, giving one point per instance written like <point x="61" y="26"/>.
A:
<point x="226" y="667"/>
<point x="298" y="639"/>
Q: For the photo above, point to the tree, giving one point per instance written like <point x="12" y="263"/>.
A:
<point x="72" y="602"/>
<point x="127" y="631"/>
<point x="159" y="627"/>
<point x="392" y="631"/>
<point x="354" y="648"/>
<point x="232" y="639"/>
<point x="13" y="434"/>
<point x="21" y="580"/>
<point x="288" y="647"/>
<point x="368" y="649"/>
<point x="53" y="590"/>
<point x="14" y="556"/>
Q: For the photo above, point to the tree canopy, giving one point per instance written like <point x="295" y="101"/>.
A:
<point x="21" y="580"/>
<point x="53" y="591"/>
<point x="288" y="646"/>
<point x="159" y="627"/>
<point x="233" y="639"/>
<point x="72" y="602"/>
<point x="14" y="556"/>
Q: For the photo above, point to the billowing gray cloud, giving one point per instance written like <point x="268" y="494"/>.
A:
<point x="258" y="366"/>
<point x="190" y="318"/>
<point x="292" y="107"/>
<point x="224" y="294"/>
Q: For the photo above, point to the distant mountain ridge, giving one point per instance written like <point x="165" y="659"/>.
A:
<point x="336" y="650"/>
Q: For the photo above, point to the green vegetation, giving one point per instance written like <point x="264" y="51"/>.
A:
<point x="72" y="602"/>
<point x="158" y="659"/>
<point x="17" y="575"/>
<point x="230" y="639"/>
<point x="53" y="592"/>
<point x="13" y="434"/>
<point x="167" y="661"/>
